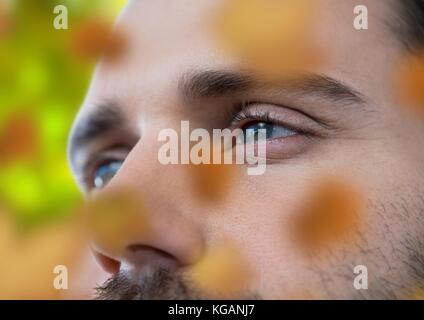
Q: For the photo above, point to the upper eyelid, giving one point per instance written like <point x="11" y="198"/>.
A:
<point x="249" y="111"/>
<point x="246" y="104"/>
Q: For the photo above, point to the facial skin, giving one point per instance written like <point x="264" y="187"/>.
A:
<point x="361" y="134"/>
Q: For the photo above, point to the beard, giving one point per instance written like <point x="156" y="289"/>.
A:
<point x="159" y="284"/>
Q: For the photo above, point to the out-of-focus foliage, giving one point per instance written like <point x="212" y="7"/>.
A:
<point x="42" y="84"/>
<point x="211" y="182"/>
<point x="410" y="83"/>
<point x="272" y="38"/>
<point x="222" y="271"/>
<point x="28" y="259"/>
<point x="114" y="218"/>
<point x="331" y="214"/>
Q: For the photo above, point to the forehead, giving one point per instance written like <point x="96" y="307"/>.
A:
<point x="165" y="26"/>
<point x="168" y="38"/>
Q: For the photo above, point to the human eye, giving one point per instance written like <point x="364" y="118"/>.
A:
<point x="288" y="133"/>
<point x="105" y="172"/>
<point x="101" y="167"/>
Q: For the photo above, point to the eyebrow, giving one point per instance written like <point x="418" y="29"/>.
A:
<point x="105" y="118"/>
<point x="207" y="84"/>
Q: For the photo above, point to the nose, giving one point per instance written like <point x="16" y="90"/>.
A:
<point x="169" y="245"/>
<point x="161" y="232"/>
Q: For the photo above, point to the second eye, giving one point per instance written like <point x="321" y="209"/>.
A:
<point x="105" y="173"/>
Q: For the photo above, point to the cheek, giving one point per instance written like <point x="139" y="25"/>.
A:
<point x="258" y="218"/>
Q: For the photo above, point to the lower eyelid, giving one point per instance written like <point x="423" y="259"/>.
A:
<point x="287" y="147"/>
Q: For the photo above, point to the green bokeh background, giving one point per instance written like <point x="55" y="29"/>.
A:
<point x="41" y="77"/>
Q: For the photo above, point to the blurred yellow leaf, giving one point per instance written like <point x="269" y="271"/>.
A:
<point x="114" y="218"/>
<point x="272" y="37"/>
<point x="28" y="258"/>
<point x="417" y="294"/>
<point x="222" y="271"/>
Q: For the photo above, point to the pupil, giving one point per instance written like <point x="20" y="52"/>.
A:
<point x="261" y="126"/>
<point x="253" y="130"/>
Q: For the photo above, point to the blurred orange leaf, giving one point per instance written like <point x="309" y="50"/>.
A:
<point x="19" y="139"/>
<point x="410" y="83"/>
<point x="329" y="215"/>
<point x="94" y="37"/>
<point x="212" y="181"/>
<point x="5" y="23"/>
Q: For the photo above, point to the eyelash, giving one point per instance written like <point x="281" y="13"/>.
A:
<point x="245" y="114"/>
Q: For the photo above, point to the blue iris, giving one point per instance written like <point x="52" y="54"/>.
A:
<point x="273" y="131"/>
<point x="105" y="173"/>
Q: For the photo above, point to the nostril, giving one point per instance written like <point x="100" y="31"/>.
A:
<point x="108" y="264"/>
<point x="144" y="254"/>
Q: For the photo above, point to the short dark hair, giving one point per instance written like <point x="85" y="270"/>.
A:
<point x="411" y="32"/>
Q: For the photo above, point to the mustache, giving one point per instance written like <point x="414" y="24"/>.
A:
<point x="159" y="284"/>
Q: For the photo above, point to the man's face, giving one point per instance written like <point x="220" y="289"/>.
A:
<point x="343" y="122"/>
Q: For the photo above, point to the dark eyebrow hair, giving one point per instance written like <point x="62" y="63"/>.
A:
<point x="105" y="118"/>
<point x="207" y="84"/>
<point x="327" y="87"/>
